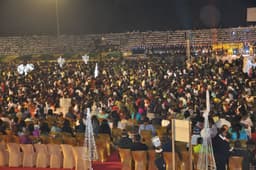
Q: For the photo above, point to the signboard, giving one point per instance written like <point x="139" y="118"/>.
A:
<point x="65" y="102"/>
<point x="182" y="130"/>
<point x="251" y="14"/>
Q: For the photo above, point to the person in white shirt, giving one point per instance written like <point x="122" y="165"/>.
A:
<point x="247" y="122"/>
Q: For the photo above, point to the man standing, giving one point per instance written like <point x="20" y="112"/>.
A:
<point x="221" y="148"/>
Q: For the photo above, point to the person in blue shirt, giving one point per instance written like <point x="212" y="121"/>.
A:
<point x="237" y="132"/>
<point x="147" y="126"/>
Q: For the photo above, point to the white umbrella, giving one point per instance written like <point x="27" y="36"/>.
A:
<point x="61" y="61"/>
<point x="85" y="58"/>
<point x="28" y="68"/>
<point x="20" y="69"/>
<point x="25" y="69"/>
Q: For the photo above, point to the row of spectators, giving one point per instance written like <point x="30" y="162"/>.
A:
<point x="172" y="50"/>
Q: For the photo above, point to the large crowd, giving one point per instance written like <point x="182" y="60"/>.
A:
<point x="128" y="90"/>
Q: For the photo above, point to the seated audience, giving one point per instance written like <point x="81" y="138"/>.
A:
<point x="135" y="87"/>
<point x="138" y="145"/>
<point x="67" y="128"/>
<point x="24" y="138"/>
<point x="125" y="142"/>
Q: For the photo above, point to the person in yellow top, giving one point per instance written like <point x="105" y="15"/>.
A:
<point x="198" y="147"/>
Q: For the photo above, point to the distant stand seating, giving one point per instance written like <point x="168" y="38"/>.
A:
<point x="172" y="50"/>
<point x="138" y="50"/>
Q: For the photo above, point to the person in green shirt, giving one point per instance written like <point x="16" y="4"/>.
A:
<point x="198" y="147"/>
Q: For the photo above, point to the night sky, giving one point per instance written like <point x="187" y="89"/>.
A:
<point x="26" y="17"/>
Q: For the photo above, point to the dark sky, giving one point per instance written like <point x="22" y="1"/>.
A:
<point x="103" y="16"/>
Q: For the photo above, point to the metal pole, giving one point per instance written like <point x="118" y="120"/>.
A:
<point x="57" y="18"/>
<point x="173" y="144"/>
<point x="190" y="147"/>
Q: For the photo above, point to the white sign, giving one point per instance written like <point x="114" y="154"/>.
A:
<point x="182" y="130"/>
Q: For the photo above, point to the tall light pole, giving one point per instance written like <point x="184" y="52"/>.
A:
<point x="57" y="18"/>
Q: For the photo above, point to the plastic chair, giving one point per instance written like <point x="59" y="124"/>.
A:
<point x="126" y="158"/>
<point x="8" y="131"/>
<point x="69" y="140"/>
<point x="28" y="155"/>
<point x="12" y="139"/>
<point x="65" y="134"/>
<point x="235" y="163"/>
<point x="101" y="149"/>
<point x="195" y="160"/>
<point x="4" y="156"/>
<point x="185" y="160"/>
<point x="151" y="160"/>
<point x="149" y="143"/>
<point x="79" y="157"/>
<point x="140" y="159"/>
<point x="68" y="157"/>
<point x="107" y="140"/>
<point x="45" y="139"/>
<point x="57" y="140"/>
<point x="2" y="138"/>
<point x="146" y="134"/>
<point x="161" y="131"/>
<point x="34" y="139"/>
<point x="169" y="162"/>
<point x="80" y="139"/>
<point x="55" y="155"/>
<point x="15" y="155"/>
<point x="116" y="134"/>
<point x="42" y="156"/>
